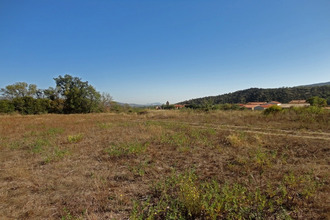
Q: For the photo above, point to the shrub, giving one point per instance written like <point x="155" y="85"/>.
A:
<point x="6" y="106"/>
<point x="75" y="138"/>
<point x="272" y="110"/>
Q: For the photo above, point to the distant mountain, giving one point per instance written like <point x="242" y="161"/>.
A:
<point x="316" y="84"/>
<point x="283" y="95"/>
<point x="140" y="105"/>
<point x="154" y="104"/>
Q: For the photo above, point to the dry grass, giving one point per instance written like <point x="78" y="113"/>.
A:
<point x="94" y="166"/>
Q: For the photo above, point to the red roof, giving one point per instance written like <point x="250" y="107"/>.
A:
<point x="250" y="106"/>
<point x="256" y="103"/>
<point x="297" y="102"/>
<point x="266" y="105"/>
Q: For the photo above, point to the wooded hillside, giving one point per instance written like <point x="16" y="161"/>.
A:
<point x="283" y="95"/>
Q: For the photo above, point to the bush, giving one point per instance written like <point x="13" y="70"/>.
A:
<point x="272" y="110"/>
<point x="317" y="101"/>
<point x="6" y="106"/>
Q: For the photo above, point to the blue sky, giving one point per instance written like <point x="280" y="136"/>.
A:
<point x="153" y="51"/>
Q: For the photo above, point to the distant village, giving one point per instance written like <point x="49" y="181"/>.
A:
<point x="260" y="105"/>
<point x="265" y="105"/>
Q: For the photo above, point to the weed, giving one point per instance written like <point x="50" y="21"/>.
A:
<point x="139" y="169"/>
<point x="128" y="149"/>
<point x="184" y="197"/>
<point x="236" y="140"/>
<point x="54" y="131"/>
<point x="75" y="138"/>
<point x="69" y="216"/>
<point x="57" y="154"/>
<point x="189" y="194"/>
<point x="177" y="139"/>
<point x="15" y="145"/>
<point x="39" y="145"/>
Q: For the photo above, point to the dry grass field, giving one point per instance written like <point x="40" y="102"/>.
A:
<point x="165" y="165"/>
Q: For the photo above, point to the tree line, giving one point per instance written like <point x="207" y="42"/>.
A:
<point x="283" y="95"/>
<point x="70" y="95"/>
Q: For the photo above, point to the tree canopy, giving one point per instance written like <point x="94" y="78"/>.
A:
<point x="283" y="95"/>
<point x="70" y="95"/>
<point x="20" y="90"/>
<point x="317" y="101"/>
<point x="79" y="96"/>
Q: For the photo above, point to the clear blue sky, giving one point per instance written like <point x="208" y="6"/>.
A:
<point x="152" y="51"/>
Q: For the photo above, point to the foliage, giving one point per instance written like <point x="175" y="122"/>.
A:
<point x="207" y="106"/>
<point x="273" y="110"/>
<point x="80" y="97"/>
<point x="71" y="95"/>
<point x="6" y="106"/>
<point x="317" y="101"/>
<point x="283" y="95"/>
<point x="20" y="90"/>
<point x="29" y="105"/>
<point x="75" y="138"/>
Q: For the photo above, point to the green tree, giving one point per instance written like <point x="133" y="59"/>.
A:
<point x="52" y="93"/>
<point x="317" y="101"/>
<point x="19" y="90"/>
<point x="79" y="96"/>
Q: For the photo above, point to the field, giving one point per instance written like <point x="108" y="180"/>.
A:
<point x="165" y="165"/>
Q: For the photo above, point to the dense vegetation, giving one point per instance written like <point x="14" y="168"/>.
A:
<point x="283" y="95"/>
<point x="71" y="95"/>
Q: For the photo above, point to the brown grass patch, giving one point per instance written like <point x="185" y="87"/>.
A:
<point x="94" y="166"/>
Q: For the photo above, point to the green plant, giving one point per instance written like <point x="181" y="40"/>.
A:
<point x="237" y="139"/>
<point x="273" y="110"/>
<point x="75" y="138"/>
<point x="177" y="139"/>
<point x="185" y="197"/>
<point x="139" y="169"/>
<point x="57" y="154"/>
<point x="54" y="131"/>
<point x="69" y="216"/>
<point x="317" y="101"/>
<point x="126" y="149"/>
<point x="39" y="145"/>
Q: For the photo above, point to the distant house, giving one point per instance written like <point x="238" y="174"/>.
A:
<point x="274" y="103"/>
<point x="263" y="107"/>
<point x="249" y="106"/>
<point x="179" y="106"/>
<point x="256" y="103"/>
<point x="260" y="105"/>
<point x="295" y="105"/>
<point x="298" y="102"/>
